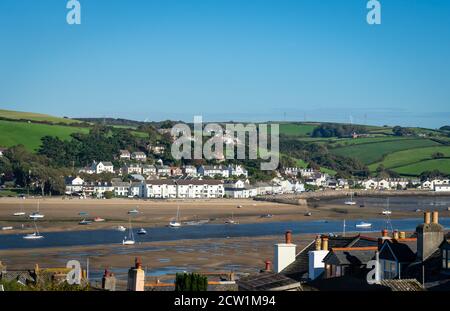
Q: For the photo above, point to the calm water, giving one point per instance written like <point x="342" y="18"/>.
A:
<point x="96" y="237"/>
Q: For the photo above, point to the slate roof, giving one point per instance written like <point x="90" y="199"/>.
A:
<point x="405" y="285"/>
<point x="350" y="256"/>
<point x="298" y="270"/>
<point x="23" y="276"/>
<point x="404" y="251"/>
<point x="266" y="281"/>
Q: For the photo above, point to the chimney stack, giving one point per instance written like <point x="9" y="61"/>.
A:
<point x="324" y="243"/>
<point x="136" y="276"/>
<point x="318" y="243"/>
<point x="427" y="218"/>
<point x="402" y="235"/>
<point x="108" y="281"/>
<point x="284" y="253"/>
<point x="435" y="217"/>
<point x="268" y="265"/>
<point x="396" y="235"/>
<point x="288" y="237"/>
<point x="385" y="233"/>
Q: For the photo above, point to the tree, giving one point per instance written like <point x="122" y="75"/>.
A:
<point x="108" y="195"/>
<point x="192" y="282"/>
<point x="438" y="155"/>
<point x="402" y="131"/>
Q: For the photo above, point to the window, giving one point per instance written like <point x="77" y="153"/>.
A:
<point x="389" y="269"/>
<point x="445" y="259"/>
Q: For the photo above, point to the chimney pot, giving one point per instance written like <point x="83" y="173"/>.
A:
<point x="435" y="217"/>
<point x="427" y="218"/>
<point x="402" y="235"/>
<point x="396" y="235"/>
<point x="318" y="243"/>
<point x="385" y="233"/>
<point x="288" y="237"/>
<point x="324" y="243"/>
<point x="138" y="262"/>
<point x="268" y="265"/>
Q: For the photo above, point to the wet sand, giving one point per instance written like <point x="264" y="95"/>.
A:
<point x="63" y="214"/>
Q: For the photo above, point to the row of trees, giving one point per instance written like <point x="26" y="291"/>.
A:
<point x="337" y="130"/>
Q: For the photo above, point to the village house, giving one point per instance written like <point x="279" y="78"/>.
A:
<point x="139" y="156"/>
<point x="160" y="189"/>
<point x="157" y="149"/>
<point x="196" y="188"/>
<point x="74" y="185"/>
<point x="103" y="167"/>
<point x="148" y="170"/>
<point x="237" y="170"/>
<point x="124" y="155"/>
<point x="121" y="188"/>
<point x="98" y="189"/>
<point x="137" y="189"/>
<point x="442" y="188"/>
<point x="292" y="171"/>
<point x="240" y="189"/>
<point x="189" y="170"/>
<point x="163" y="170"/>
<point x="317" y="179"/>
<point x="213" y="171"/>
<point x="176" y="171"/>
<point x="131" y="168"/>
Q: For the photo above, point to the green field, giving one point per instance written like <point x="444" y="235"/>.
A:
<point x="373" y="152"/>
<point x="411" y="156"/>
<point x="30" y="134"/>
<point x="443" y="165"/>
<point x="17" y="115"/>
<point x="294" y="129"/>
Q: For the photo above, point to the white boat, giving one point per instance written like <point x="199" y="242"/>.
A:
<point x="21" y="213"/>
<point x="133" y="211"/>
<point x="35" y="235"/>
<point x="85" y="222"/>
<point x="142" y="231"/>
<point x="36" y="215"/>
<point x="98" y="219"/>
<point x="386" y="212"/>
<point x="351" y="202"/>
<point x="231" y="220"/>
<point x="363" y="225"/>
<point x="175" y="223"/>
<point x="129" y="240"/>
<point x="7" y="228"/>
<point x="121" y="228"/>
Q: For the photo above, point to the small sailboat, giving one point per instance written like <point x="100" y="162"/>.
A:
<point x="142" y="231"/>
<point x="21" y="213"/>
<point x="231" y="220"/>
<point x="363" y="225"/>
<point x="85" y="222"/>
<point x="121" y="228"/>
<point x="387" y="211"/>
<point x="175" y="223"/>
<point x="35" y="235"/>
<point x="351" y="202"/>
<point x="129" y="240"/>
<point x="37" y="214"/>
<point x="133" y="212"/>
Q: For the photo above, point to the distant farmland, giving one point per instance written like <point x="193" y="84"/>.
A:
<point x="30" y="134"/>
<point x="373" y="152"/>
<point x="18" y="115"/>
<point x="443" y="165"/>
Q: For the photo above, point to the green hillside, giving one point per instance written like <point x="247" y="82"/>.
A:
<point x="443" y="165"/>
<point x="411" y="156"/>
<point x="372" y="152"/>
<point x="30" y="134"/>
<point x="18" y="115"/>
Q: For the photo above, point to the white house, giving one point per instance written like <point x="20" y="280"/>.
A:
<point x="124" y="155"/>
<point x="100" y="188"/>
<point x="163" y="170"/>
<point x="74" y="185"/>
<point x="195" y="188"/>
<point x="121" y="188"/>
<point x="160" y="189"/>
<point x="442" y="188"/>
<point x="149" y="170"/>
<point x="132" y="168"/>
<point x="317" y="179"/>
<point x="237" y="170"/>
<point x="189" y="170"/>
<point x="139" y="156"/>
<point x="103" y="167"/>
<point x="213" y="170"/>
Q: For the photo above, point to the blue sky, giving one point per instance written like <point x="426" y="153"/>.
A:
<point x="251" y="60"/>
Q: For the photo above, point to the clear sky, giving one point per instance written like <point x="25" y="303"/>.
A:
<point x="249" y="60"/>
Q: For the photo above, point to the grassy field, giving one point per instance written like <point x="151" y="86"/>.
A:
<point x="416" y="169"/>
<point x="30" y="134"/>
<point x="374" y="152"/>
<point x="295" y="129"/>
<point x="17" y="115"/>
<point x="411" y="156"/>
